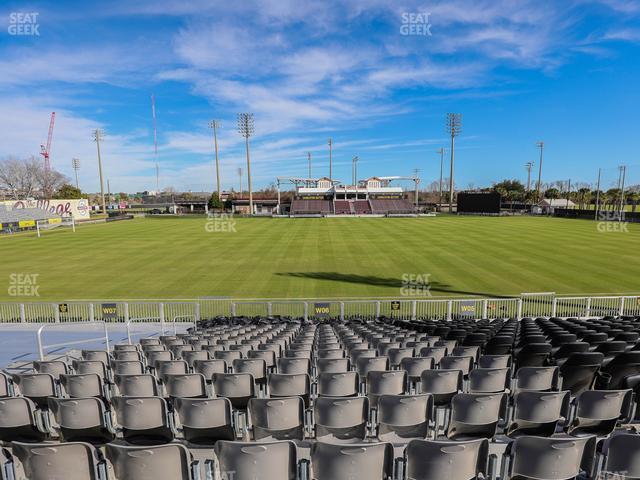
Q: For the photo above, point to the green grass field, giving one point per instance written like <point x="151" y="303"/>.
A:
<point x="283" y="258"/>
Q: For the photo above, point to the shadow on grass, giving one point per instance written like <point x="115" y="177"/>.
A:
<point x="434" y="286"/>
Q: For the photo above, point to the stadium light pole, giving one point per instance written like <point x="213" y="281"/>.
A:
<point x="598" y="193"/>
<point x="540" y="145"/>
<point x="246" y="129"/>
<point x="97" y="136"/>
<point x="416" y="180"/>
<point x="454" y="127"/>
<point x="75" y="164"/>
<point x="240" y="175"/>
<point x="528" y="166"/>
<point x="215" y="124"/>
<point x="330" y="142"/>
<point x="309" y="160"/>
<point x="354" y="170"/>
<point x="623" y="169"/>
<point x="441" y="152"/>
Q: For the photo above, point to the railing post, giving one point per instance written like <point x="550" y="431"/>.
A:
<point x="621" y="311"/>
<point x="233" y="309"/>
<point x="485" y="305"/>
<point x="161" y="314"/>
<point x="414" y="310"/>
<point x="377" y="309"/>
<point x="106" y="336"/>
<point x="56" y="312"/>
<point x="306" y="311"/>
<point x="449" y="310"/>
<point x="342" y="311"/>
<point x="197" y="312"/>
<point x="519" y="317"/>
<point x="588" y="308"/>
<point x="23" y="314"/>
<point x="269" y="309"/>
<point x="126" y="312"/>
<point x="554" y="307"/>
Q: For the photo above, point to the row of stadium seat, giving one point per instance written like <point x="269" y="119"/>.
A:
<point x="377" y="391"/>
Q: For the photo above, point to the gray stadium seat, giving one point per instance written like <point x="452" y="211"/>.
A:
<point x="538" y="413"/>
<point x="341" y="419"/>
<point x="338" y="384"/>
<point x="204" y="421"/>
<point x="474" y="415"/>
<point x="277" y="418"/>
<point x="136" y="385"/>
<point x="81" y="420"/>
<point x="237" y="387"/>
<point x="349" y="462"/>
<point x="598" y="411"/>
<point x="156" y="462"/>
<point x="57" y="461"/>
<point x="189" y="385"/>
<point x="429" y="459"/>
<point x="264" y="461"/>
<point x="547" y="458"/>
<point x="402" y="418"/>
<point x="19" y="421"/>
<point x="144" y="420"/>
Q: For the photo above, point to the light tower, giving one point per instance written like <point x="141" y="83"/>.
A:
<point x="354" y="170"/>
<point x="97" y="136"/>
<point x="454" y="127"/>
<point x="441" y="152"/>
<point x="529" y="166"/>
<point x="246" y="129"/>
<point x="215" y="124"/>
<point x="309" y="160"/>
<point x="330" y="142"/>
<point x="540" y="145"/>
<point x="75" y="164"/>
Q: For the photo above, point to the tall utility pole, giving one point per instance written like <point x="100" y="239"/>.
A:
<point x="441" y="152"/>
<point x="309" y="159"/>
<point x="598" y="193"/>
<point x="155" y="141"/>
<point x="540" y="145"/>
<point x="240" y="175"/>
<point x="246" y="129"/>
<point x="454" y="127"/>
<point x="416" y="179"/>
<point x="75" y="164"/>
<point x="97" y="136"/>
<point x="568" y="193"/>
<point x="623" y="170"/>
<point x="354" y="170"/>
<point x="109" y="190"/>
<point x="528" y="166"/>
<point x="214" y="124"/>
<point x="330" y="142"/>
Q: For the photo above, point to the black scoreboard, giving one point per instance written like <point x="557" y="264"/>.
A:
<point x="479" y="202"/>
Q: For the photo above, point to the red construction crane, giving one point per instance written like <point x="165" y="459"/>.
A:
<point x="45" y="150"/>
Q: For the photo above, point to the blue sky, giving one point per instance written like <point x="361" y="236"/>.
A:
<point x="566" y="72"/>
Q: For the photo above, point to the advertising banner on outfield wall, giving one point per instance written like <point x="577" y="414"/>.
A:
<point x="78" y="209"/>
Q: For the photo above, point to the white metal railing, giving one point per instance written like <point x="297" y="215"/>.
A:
<point x="42" y="347"/>
<point x="146" y="320"/>
<point x="527" y="305"/>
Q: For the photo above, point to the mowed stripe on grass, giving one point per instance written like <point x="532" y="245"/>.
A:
<point x="329" y="257"/>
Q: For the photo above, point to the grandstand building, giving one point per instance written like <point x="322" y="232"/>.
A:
<point x="326" y="197"/>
